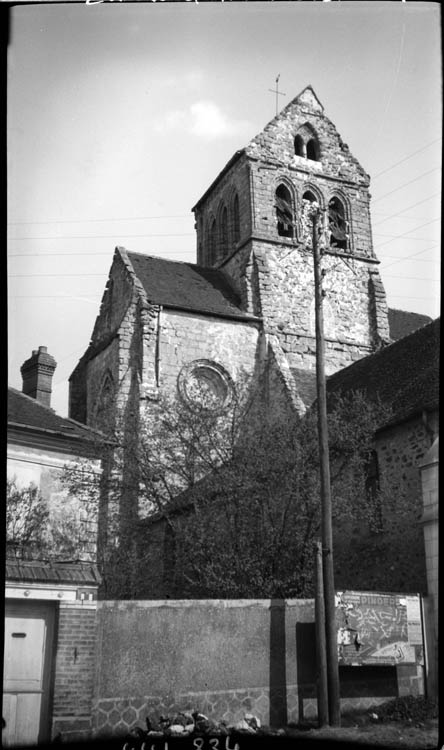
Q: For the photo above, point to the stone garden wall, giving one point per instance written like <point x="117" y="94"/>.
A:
<point x="223" y="658"/>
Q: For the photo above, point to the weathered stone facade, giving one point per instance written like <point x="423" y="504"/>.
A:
<point x="140" y="340"/>
<point x="247" y="308"/>
<point x="274" y="272"/>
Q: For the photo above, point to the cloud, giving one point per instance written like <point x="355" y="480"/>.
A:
<point x="204" y="119"/>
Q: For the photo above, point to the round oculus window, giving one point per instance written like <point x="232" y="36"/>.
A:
<point x="205" y="385"/>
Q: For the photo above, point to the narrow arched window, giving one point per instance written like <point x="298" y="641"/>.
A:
<point x="236" y="219"/>
<point x="337" y="224"/>
<point x="299" y="146"/>
<point x="284" y="212"/>
<point x="224" y="231"/>
<point x="312" y="149"/>
<point x="104" y="412"/>
<point x="212" y="241"/>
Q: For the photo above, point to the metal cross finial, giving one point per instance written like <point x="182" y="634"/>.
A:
<point x="277" y="92"/>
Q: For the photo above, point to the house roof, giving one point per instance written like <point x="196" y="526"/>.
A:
<point x="401" y="323"/>
<point x="404" y="375"/>
<point x="186" y="286"/>
<point x="26" y="412"/>
<point x="52" y="572"/>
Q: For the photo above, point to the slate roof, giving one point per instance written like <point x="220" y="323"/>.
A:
<point x="52" y="572"/>
<point x="404" y="375"/>
<point x="402" y="323"/>
<point x="186" y="286"/>
<point x="27" y="412"/>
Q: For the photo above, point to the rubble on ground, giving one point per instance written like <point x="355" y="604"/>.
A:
<point x="195" y="724"/>
<point x="409" y="708"/>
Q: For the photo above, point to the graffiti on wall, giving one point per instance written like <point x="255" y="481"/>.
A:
<point x="378" y="628"/>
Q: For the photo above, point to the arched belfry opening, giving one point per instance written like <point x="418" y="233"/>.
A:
<point x="284" y="212"/>
<point x="312" y="149"/>
<point x="337" y="224"/>
<point x="299" y="146"/>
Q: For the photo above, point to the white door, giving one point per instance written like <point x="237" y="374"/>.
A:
<point x="26" y="672"/>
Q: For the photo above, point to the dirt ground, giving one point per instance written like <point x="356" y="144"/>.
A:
<point x="396" y="734"/>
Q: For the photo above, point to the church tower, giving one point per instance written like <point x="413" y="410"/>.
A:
<point x="250" y="225"/>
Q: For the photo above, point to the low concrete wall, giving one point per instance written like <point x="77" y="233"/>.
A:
<point x="220" y="657"/>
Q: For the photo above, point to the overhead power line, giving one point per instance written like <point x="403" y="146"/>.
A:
<point x="92" y="254"/>
<point x="399" y="236"/>
<point x="399" y="213"/>
<point x="89" y="221"/>
<point x="415" y="179"/>
<point x="99" y="236"/>
<point x="45" y="275"/>
<point x="406" y="158"/>
<point x="413" y="255"/>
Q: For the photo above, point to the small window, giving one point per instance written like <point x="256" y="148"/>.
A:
<point x="337" y="224"/>
<point x="299" y="146"/>
<point x="236" y="220"/>
<point x="312" y="150"/>
<point x="284" y="212"/>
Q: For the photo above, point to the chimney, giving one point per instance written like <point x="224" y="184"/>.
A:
<point x="37" y="374"/>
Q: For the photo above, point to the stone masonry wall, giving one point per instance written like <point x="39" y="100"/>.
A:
<point x="391" y="559"/>
<point x="274" y="273"/>
<point x="185" y="337"/>
<point x="236" y="181"/>
<point x="74" y="672"/>
<point x="286" y="291"/>
<point x="430" y="520"/>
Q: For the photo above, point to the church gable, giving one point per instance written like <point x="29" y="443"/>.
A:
<point x="302" y="137"/>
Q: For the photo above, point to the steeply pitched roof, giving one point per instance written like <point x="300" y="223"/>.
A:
<point x="52" y="572"/>
<point x="27" y="412"/>
<point x="402" y="323"/>
<point x="404" y="375"/>
<point x="186" y="286"/>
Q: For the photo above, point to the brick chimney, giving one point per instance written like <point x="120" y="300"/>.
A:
<point x="37" y="374"/>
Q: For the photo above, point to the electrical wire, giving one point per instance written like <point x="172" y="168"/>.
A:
<point x="99" y="236"/>
<point x="399" y="236"/>
<point x="89" y="221"/>
<point x="406" y="158"/>
<point x="415" y="179"/>
<point x="392" y="216"/>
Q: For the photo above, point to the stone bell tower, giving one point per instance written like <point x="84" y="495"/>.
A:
<point x="250" y="225"/>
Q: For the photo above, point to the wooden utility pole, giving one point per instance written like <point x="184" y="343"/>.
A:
<point x="321" y="645"/>
<point x="326" y="521"/>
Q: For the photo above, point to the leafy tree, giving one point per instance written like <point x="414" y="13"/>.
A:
<point x="39" y="528"/>
<point x="203" y="502"/>
<point x="26" y="515"/>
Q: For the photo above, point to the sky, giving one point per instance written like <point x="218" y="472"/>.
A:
<point x="120" y="115"/>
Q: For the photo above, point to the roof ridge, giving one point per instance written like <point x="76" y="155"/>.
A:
<point x="34" y="400"/>
<point x="170" y="260"/>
